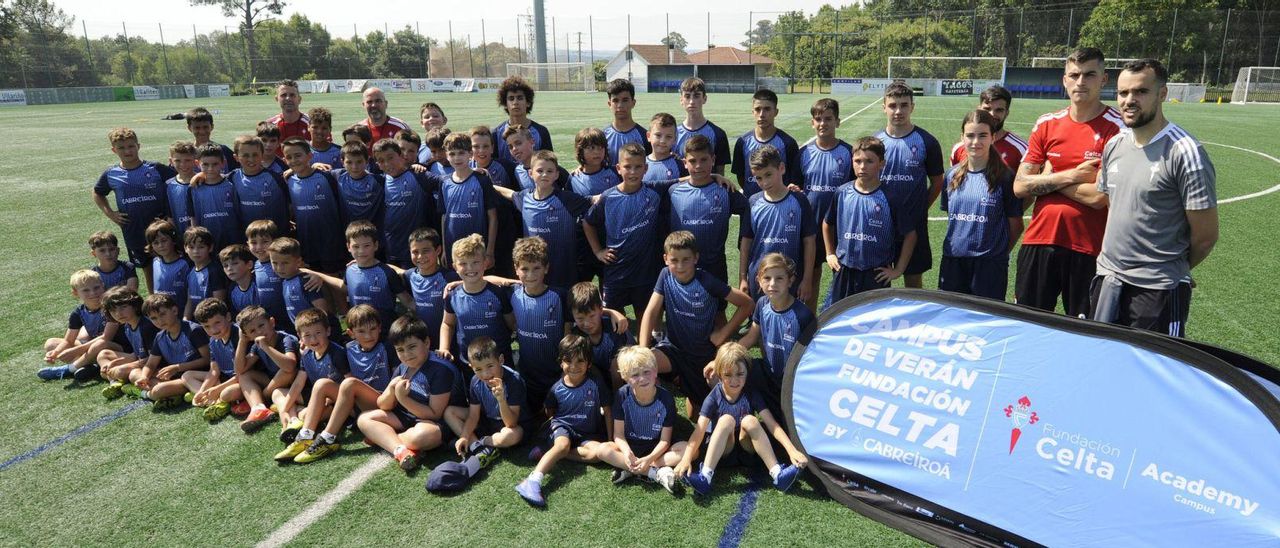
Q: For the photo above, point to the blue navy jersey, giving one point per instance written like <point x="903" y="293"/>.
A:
<point x="513" y="390"/>
<point x="908" y="163"/>
<point x="579" y="406"/>
<point x="779" y="330"/>
<point x="439" y="169"/>
<point x="778" y="226"/>
<point x="93" y="321"/>
<point x="270" y="292"/>
<point x="704" y="211"/>
<point x="590" y="184"/>
<point x="867" y="225"/>
<point x="713" y="133"/>
<point x="284" y="344"/>
<point x="182" y="348"/>
<point x="977" y="216"/>
<point x="140" y="337"/>
<point x="618" y="139"/>
<point x="500" y="172"/>
<point x="296" y="296"/>
<point x="202" y="282"/>
<point x="178" y="203"/>
<point x="479" y="314"/>
<point x="748" y="143"/>
<point x="140" y="194"/>
<point x="123" y="272"/>
<point x="261" y="196"/>
<point x="629" y="225"/>
<point x="171" y="279"/>
<point x="555" y="220"/>
<point x="372" y="366"/>
<point x="408" y="205"/>
<point x="223" y="354"/>
<point x="361" y="198"/>
<point x="644" y="423"/>
<point x="541" y="140"/>
<point x="276" y="166"/>
<point x="435" y="377"/>
<point x="332" y="365"/>
<point x="540" y="322"/>
<point x="465" y="206"/>
<point x="718" y="405"/>
<point x="213" y="206"/>
<point x="376" y="286"/>
<point x="428" y="296"/>
<point x="603" y="352"/>
<point x="332" y="155"/>
<point x="320" y="218"/>
<point x="824" y="172"/>
<point x="690" y="309"/>
<point x="669" y="169"/>
<point x="239" y="298"/>
<point x="525" y="180"/>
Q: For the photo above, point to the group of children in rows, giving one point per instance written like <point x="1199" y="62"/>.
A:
<point x="246" y="320"/>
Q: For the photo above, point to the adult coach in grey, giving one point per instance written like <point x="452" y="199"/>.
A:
<point x="1163" y="219"/>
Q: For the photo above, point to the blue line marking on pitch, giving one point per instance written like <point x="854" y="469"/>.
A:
<point x="737" y="525"/>
<point x="72" y="435"/>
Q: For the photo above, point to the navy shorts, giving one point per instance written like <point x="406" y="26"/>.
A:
<point x="762" y="381"/>
<point x="982" y="276"/>
<point x="617" y="298"/>
<point x="560" y="429"/>
<point x="640" y="448"/>
<point x="137" y="251"/>
<point x="407" y="421"/>
<point x="687" y="368"/>
<point x="922" y="256"/>
<point x="734" y="454"/>
<point x="851" y="281"/>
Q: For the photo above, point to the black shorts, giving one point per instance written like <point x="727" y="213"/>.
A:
<point x="640" y="448"/>
<point x="851" y="281"/>
<point x="138" y="254"/>
<point x="762" y="382"/>
<point x="922" y="256"/>
<point x="734" y="455"/>
<point x="1163" y="311"/>
<point x="982" y="276"/>
<point x="687" y="368"/>
<point x="562" y="430"/>
<point x="617" y="298"/>
<point x="407" y="421"/>
<point x="1047" y="271"/>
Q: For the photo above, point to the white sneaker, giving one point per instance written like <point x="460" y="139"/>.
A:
<point x="667" y="479"/>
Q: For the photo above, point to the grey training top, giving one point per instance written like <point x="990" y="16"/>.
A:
<point x="1148" y="238"/>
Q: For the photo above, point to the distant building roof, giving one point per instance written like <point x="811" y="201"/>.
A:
<point x="727" y="55"/>
<point x="656" y="54"/>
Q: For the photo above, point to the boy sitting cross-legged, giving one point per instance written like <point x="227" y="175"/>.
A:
<point x="124" y="306"/>
<point x="728" y="420"/>
<point x="85" y="326"/>
<point x="266" y="361"/>
<point x="322" y="359"/>
<point x="370" y="362"/>
<point x="579" y="406"/>
<point x="216" y="388"/>
<point x="179" y="346"/>
<point x="410" y="414"/>
<point x="643" y="416"/>
<point x="498" y="416"/>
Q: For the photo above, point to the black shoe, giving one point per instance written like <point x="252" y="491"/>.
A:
<point x="87" y="373"/>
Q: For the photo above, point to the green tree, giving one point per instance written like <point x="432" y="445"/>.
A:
<point x="251" y="14"/>
<point x="1128" y="28"/>
<point x="676" y="40"/>
<point x="46" y="55"/>
<point x="760" y="35"/>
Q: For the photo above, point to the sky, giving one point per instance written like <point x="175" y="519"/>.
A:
<point x="729" y="19"/>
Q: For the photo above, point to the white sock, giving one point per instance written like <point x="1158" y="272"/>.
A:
<point x="326" y="437"/>
<point x="487" y="441"/>
<point x="653" y="473"/>
<point x="398" y="449"/>
<point x="306" y="434"/>
<point x="535" y="476"/>
<point x="707" y="472"/>
<point x="257" y="407"/>
<point x="774" y="470"/>
<point x="473" y="465"/>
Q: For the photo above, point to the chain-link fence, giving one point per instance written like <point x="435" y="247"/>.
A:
<point x="56" y="50"/>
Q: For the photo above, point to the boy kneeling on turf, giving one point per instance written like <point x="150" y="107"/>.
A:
<point x="371" y="363"/>
<point x="575" y="404"/>
<point x="728" y="419"/>
<point x="322" y="360"/>
<point x="410" y="414"/>
<point x="643" y="416"/>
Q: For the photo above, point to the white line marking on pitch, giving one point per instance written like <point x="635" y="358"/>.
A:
<point x="324" y="504"/>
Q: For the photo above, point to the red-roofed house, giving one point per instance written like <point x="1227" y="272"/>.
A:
<point x="635" y="61"/>
<point x="657" y="68"/>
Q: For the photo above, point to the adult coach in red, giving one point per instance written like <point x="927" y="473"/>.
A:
<point x="1163" y="215"/>
<point x="380" y="125"/>
<point x="1061" y="245"/>
<point x="291" y="121"/>
<point x="996" y="101"/>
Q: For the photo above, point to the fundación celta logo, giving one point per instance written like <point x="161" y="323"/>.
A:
<point x="1020" y="415"/>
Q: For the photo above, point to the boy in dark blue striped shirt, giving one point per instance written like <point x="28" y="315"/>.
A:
<point x="476" y="308"/>
<point x="322" y="360"/>
<point x="105" y="249"/>
<point x="367" y="280"/>
<point x="605" y="329"/>
<point x="777" y="219"/>
<point x="644" y="415"/>
<point x="237" y="265"/>
<point x="317" y="209"/>
<point x="623" y="228"/>
<point x="179" y="346"/>
<point x="468" y="202"/>
<point x="205" y="279"/>
<point x="498" y="414"/>
<point x="260" y="193"/>
<point x="213" y="200"/>
<point x="216" y="388"/>
<point x="139" y="187"/>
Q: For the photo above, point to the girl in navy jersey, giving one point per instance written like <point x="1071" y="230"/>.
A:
<point x="168" y="265"/>
<point x="777" y="322"/>
<point x="984" y="218"/>
<point x="593" y="175"/>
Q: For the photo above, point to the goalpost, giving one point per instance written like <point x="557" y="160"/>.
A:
<point x="555" y="76"/>
<point x="1059" y="62"/>
<point x="1257" y="85"/>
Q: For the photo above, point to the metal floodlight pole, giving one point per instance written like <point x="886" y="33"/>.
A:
<point x="539" y="31"/>
<point x="1222" y="52"/>
<point x="629" y="52"/>
<point x="89" y="51"/>
<point x="484" y="48"/>
<point x="128" y="52"/>
<point x="453" y="68"/>
<point x="751" y="26"/>
<point x="164" y="53"/>
<point x="471" y="57"/>
<point x="591" y="41"/>
<point x="554" y="58"/>
<point x="1071" y="21"/>
<point x="1172" y="34"/>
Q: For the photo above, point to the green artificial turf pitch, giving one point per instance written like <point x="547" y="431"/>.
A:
<point x="170" y="478"/>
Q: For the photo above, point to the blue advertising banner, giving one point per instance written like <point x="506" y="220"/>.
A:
<point x="967" y="421"/>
